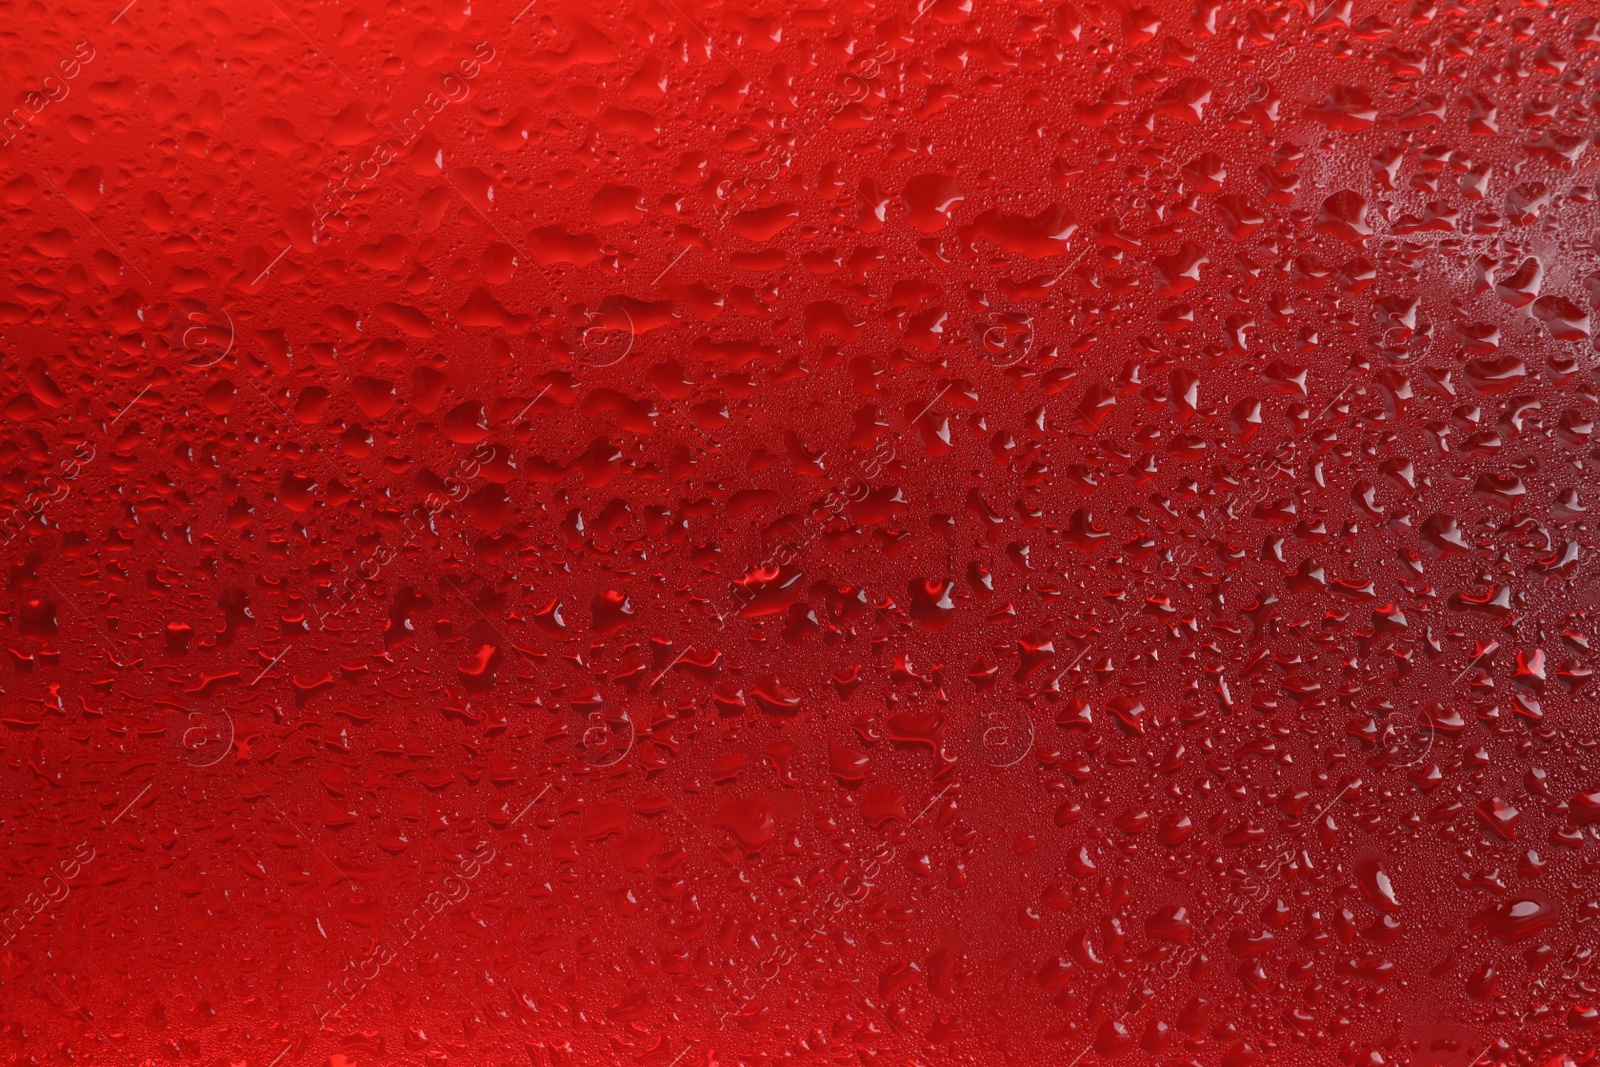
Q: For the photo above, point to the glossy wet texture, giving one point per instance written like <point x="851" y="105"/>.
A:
<point x="664" y="534"/>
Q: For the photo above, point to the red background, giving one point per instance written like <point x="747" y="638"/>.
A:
<point x="748" y="534"/>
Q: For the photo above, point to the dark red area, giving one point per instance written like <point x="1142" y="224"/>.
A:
<point x="744" y="533"/>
